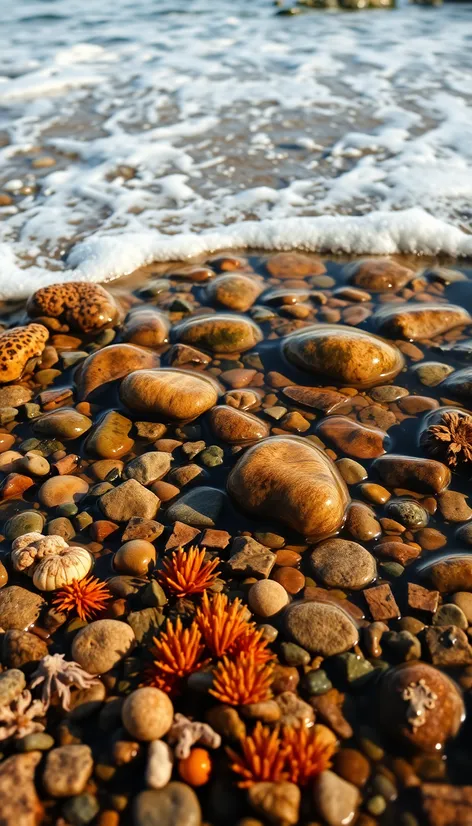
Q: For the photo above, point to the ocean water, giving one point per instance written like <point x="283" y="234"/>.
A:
<point x="180" y="128"/>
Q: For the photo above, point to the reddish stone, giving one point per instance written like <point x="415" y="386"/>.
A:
<point x="181" y="535"/>
<point x="382" y="603"/>
<point x="398" y="551"/>
<point x="319" y="399"/>
<point x="215" y="539"/>
<point x="15" y="485"/>
<point x="101" y="529"/>
<point x="291" y="579"/>
<point x="140" y="528"/>
<point x="420" y="599"/>
<point x="446" y="805"/>
<point x="68" y="464"/>
<point x="329" y="709"/>
<point x="287" y="559"/>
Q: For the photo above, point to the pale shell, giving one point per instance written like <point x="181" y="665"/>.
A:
<point x="56" y="571"/>
<point x="29" y="549"/>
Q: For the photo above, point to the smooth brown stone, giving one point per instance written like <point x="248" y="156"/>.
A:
<point x="146" y="327"/>
<point x="21" y="805"/>
<point x="361" y="522"/>
<point x="219" y="333"/>
<point x="453" y="506"/>
<point x="110" y="437"/>
<point x="291" y="480"/>
<point x="355" y="439"/>
<point x="291" y="579"/>
<point x="60" y="490"/>
<point x="421" y="475"/>
<point x="351" y="765"/>
<point x="375" y="493"/>
<point x="65" y="423"/>
<point x="288" y="559"/>
<point x="414" y="405"/>
<point x="422" y="321"/>
<point x="339" y="563"/>
<point x="111" y="363"/>
<point x="83" y="306"/>
<point x="344" y="355"/>
<point x="319" y="399"/>
<point x="380" y="275"/>
<point x="398" y="551"/>
<point x="235" y="291"/>
<point x="168" y="393"/>
<point x="236" y="426"/>
<point x="237" y="378"/>
<point x="449" y="575"/>
<point x="430" y="539"/>
<point x="294" y="265"/>
<point x="421" y="599"/>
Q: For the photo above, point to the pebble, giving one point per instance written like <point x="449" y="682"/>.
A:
<point x="448" y="575"/>
<point x="12" y="683"/>
<point x="289" y="468"/>
<point x="321" y="628"/>
<point x="357" y="440"/>
<point x="38" y="741"/>
<point x="149" y="467"/>
<point x="128" y="500"/>
<point x="463" y="600"/>
<point x="351" y="471"/>
<point x="199" y="507"/>
<point x="336" y="800"/>
<point x="136" y="558"/>
<point x="432" y="373"/>
<point x="339" y="563"/>
<point x="453" y="506"/>
<point x="379" y="275"/>
<point x="267" y="597"/>
<point x="450" y="614"/>
<point x="159" y="766"/>
<point x="33" y="465"/>
<point x="67" y="770"/>
<point x="19" y="608"/>
<point x="110" y="437"/>
<point x="294" y="655"/>
<point x="423" y="321"/>
<point x="235" y="291"/>
<point x="317" y="682"/>
<point x="81" y="809"/>
<point x="65" y="424"/>
<point x="290" y="578"/>
<point x="174" y="805"/>
<point x="20" y="802"/>
<point x="22" y="650"/>
<point x="422" y="475"/>
<point x="375" y="493"/>
<point x="361" y="522"/>
<point x="102" y="644"/>
<point x="146" y="326"/>
<point x="84" y="306"/>
<point x="352" y="766"/>
<point x="172" y="394"/>
<point x="222" y="333"/>
<point x="26" y="522"/>
<point x="236" y="426"/>
<point x="408" y="512"/>
<point x="27" y="343"/>
<point x="61" y="490"/>
<point x="147" y="714"/>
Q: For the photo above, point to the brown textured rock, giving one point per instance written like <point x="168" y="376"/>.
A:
<point x="294" y="265"/>
<point x="236" y="291"/>
<point x="172" y="394"/>
<point x="422" y="475"/>
<point x="293" y="481"/>
<point x="345" y="355"/>
<point x="279" y="803"/>
<point x="110" y="436"/>
<point x="19" y="347"/>
<point x="127" y="500"/>
<point x="64" y="424"/>
<point x="236" y="426"/>
<point x="146" y="327"/>
<point x="361" y="522"/>
<point x="382" y="603"/>
<point x="111" y="363"/>
<point x="318" y="398"/>
<point x="448" y="646"/>
<point x="380" y="275"/>
<point x="67" y="770"/>
<point x="446" y="805"/>
<point x="83" y="306"/>
<point x="19" y="608"/>
<point x="321" y="627"/>
<point x="99" y="646"/>
<point x="425" y="726"/>
<point x="339" y="563"/>
<point x="222" y="333"/>
<point x="451" y="575"/>
<point x="20" y="802"/>
<point x="421" y="321"/>
<point x="353" y="438"/>
<point x="19" y="649"/>
<point x="61" y="489"/>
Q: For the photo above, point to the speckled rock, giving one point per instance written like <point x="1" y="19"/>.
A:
<point x="111" y="363"/>
<point x="102" y="644"/>
<point x="20" y="803"/>
<point x="169" y="393"/>
<point x="12" y="683"/>
<point x="175" y="805"/>
<point x="67" y="770"/>
<point x="19" y="347"/>
<point x="279" y="802"/>
<point x="291" y="472"/>
<point x="345" y="355"/>
<point x="235" y="291"/>
<point x="321" y="627"/>
<point x="420" y="321"/>
<point x="127" y="500"/>
<point x="83" y="306"/>
<point x="222" y="333"/>
<point x="339" y="563"/>
<point x="147" y="714"/>
<point x="19" y="608"/>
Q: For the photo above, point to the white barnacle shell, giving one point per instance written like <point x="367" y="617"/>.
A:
<point x="27" y="550"/>
<point x="54" y="572"/>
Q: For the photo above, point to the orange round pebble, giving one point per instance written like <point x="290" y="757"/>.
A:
<point x="196" y="768"/>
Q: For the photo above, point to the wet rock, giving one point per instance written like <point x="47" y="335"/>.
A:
<point x="453" y="506"/>
<point x="381" y="602"/>
<point x="81" y="809"/>
<point x="449" y="575"/>
<point x="353" y="438"/>
<point x="408" y="512"/>
<point x="67" y="770"/>
<point x="15" y="395"/>
<point x="102" y="644"/>
<point x="63" y="424"/>
<point x="290" y="470"/>
<point x="421" y="714"/>
<point x="19" y="348"/>
<point x="336" y="800"/>
<point x="26" y="522"/>
<point x="110" y="437"/>
<point x="250" y="558"/>
<point x="136" y="558"/>
<point x="458" y="384"/>
<point x="175" y="805"/>
<point x="139" y="528"/>
<point x="339" y="563"/>
<point x="345" y="355"/>
<point x="235" y="291"/>
<point x="20" y="802"/>
<point x="130" y="499"/>
<point x="60" y="490"/>
<point x="352" y="766"/>
<point x="422" y="321"/>
<point x="294" y="265"/>
<point x="422" y="475"/>
<point x="147" y="714"/>
<point x="109" y="364"/>
<point x="448" y="646"/>
<point x="222" y="333"/>
<point x="199" y="508"/>
<point x="159" y="765"/>
<point x="432" y="373"/>
<point x="361" y="522"/>
<point x="169" y="393"/>
<point x="236" y="426"/>
<point x="148" y="467"/>
<point x="351" y="471"/>
<point x="279" y="803"/>
<point x="380" y="275"/>
<point x="146" y="327"/>
<point x="450" y="614"/>
<point x="321" y="628"/>
<point x="267" y="597"/>
<point x="22" y="650"/>
<point x="83" y="306"/>
<point x="19" y="608"/>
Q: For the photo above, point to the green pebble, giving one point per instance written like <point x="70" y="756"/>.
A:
<point x="8" y="414"/>
<point x="43" y="447"/>
<point x="82" y="521"/>
<point x="81" y="809"/>
<point x="391" y="569"/>
<point x="376" y="805"/>
<point x="39" y="741"/>
<point x="317" y="682"/>
<point x="369" y="746"/>
<point x="22" y="523"/>
<point x="356" y="670"/>
<point x="294" y="654"/>
<point x="61" y="526"/>
<point x="28" y="444"/>
<point x="212" y="456"/>
<point x="381" y="785"/>
<point x="153" y="596"/>
<point x="73" y="357"/>
<point x="32" y="410"/>
<point x="67" y="509"/>
<point x="408" y="819"/>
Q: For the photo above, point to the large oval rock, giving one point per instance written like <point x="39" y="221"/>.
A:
<point x="222" y="333"/>
<point x="173" y="394"/>
<point x="19" y="608"/>
<point x="83" y="306"/>
<point x="102" y="644"/>
<point x="422" y="475"/>
<point x="345" y="355"/>
<point x="110" y="437"/>
<point x="236" y="426"/>
<point x="341" y="563"/>
<point x="379" y="275"/>
<point x="289" y="479"/>
<point x="65" y="423"/>
<point x="321" y="627"/>
<point x="421" y="321"/>
<point x="234" y="290"/>
<point x="111" y="363"/>
<point x="174" y="805"/>
<point x="146" y="327"/>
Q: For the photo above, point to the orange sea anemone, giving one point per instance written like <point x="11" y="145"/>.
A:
<point x="221" y="622"/>
<point x="186" y="572"/>
<point x="252" y="641"/>
<point x="179" y="653"/>
<point x="308" y="750"/>
<point x="87" y="597"/>
<point x="242" y="681"/>
<point x="263" y="757"/>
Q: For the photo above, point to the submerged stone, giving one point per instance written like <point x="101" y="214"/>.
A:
<point x="222" y="333"/>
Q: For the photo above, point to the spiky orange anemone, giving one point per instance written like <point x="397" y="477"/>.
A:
<point x="308" y="750"/>
<point x="87" y="597"/>
<point x="263" y="757"/>
<point x="252" y="641"/>
<point x="221" y="622"/>
<point x="241" y="681"/>
<point x="186" y="572"/>
<point x="179" y="653"/>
